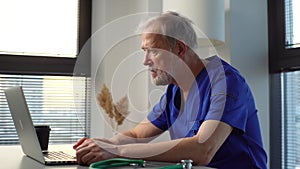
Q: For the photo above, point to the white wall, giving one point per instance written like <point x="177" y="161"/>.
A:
<point x="249" y="53"/>
<point x="246" y="29"/>
<point x="117" y="59"/>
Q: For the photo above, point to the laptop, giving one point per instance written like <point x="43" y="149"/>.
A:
<point x="26" y="132"/>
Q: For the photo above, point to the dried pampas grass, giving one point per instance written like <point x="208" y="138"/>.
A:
<point x="121" y="110"/>
<point x="105" y="101"/>
<point x="118" y="111"/>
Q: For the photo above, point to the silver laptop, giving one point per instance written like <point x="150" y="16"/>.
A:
<point x="26" y="131"/>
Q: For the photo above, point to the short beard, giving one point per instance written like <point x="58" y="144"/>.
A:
<point x="163" y="78"/>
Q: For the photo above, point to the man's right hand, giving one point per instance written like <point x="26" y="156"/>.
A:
<point x="92" y="150"/>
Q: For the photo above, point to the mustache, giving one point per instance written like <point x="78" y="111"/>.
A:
<point x="153" y="69"/>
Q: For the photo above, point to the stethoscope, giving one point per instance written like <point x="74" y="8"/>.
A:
<point x="119" y="162"/>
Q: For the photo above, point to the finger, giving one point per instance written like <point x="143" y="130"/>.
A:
<point x="91" y="157"/>
<point x="93" y="160"/>
<point x="80" y="153"/>
<point x="79" y="142"/>
<point x="87" y="158"/>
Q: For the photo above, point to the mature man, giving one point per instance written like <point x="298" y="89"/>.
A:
<point x="208" y="108"/>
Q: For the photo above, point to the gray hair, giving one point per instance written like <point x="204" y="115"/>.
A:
<point x="172" y="25"/>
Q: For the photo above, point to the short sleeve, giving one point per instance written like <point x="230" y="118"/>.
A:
<point x="158" y="114"/>
<point x="230" y="101"/>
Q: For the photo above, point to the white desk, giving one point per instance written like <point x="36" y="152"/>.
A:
<point x="12" y="157"/>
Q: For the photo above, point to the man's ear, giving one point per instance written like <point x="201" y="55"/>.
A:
<point x="181" y="49"/>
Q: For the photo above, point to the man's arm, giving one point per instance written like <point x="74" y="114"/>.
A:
<point x="144" y="132"/>
<point x="201" y="148"/>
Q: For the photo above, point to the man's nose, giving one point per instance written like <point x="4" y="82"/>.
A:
<point x="147" y="61"/>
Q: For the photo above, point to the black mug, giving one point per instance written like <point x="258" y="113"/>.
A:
<point x="43" y="132"/>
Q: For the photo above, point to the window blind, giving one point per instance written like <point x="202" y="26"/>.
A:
<point x="291" y="120"/>
<point x="59" y="101"/>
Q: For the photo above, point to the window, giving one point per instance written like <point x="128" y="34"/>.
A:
<point x="292" y="24"/>
<point x="59" y="101"/>
<point x="37" y="30"/>
<point x="284" y="64"/>
<point x="291" y="120"/>
<point x="38" y="43"/>
<point x="285" y="120"/>
<point x="56" y="94"/>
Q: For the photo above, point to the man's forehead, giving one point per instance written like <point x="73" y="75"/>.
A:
<point x="152" y="39"/>
<point x="152" y="36"/>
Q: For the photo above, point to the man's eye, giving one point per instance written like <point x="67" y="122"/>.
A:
<point x="153" y="51"/>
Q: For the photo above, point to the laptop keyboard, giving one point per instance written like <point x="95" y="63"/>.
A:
<point x="58" y="155"/>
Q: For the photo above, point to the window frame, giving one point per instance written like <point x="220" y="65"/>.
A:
<point x="41" y="65"/>
<point x="276" y="109"/>
<point x="281" y="59"/>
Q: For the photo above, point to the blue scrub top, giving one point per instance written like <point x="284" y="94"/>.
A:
<point x="219" y="93"/>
